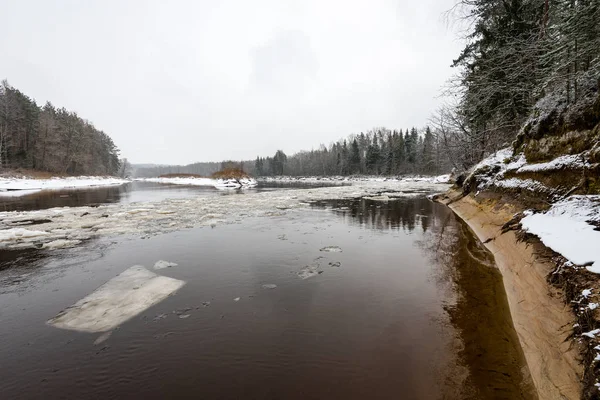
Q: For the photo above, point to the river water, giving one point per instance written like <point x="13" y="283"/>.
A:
<point x="400" y="301"/>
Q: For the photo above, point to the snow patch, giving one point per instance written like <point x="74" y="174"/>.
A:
<point x="574" y="161"/>
<point x="24" y="186"/>
<point x="569" y="229"/>
<point x="591" y="334"/>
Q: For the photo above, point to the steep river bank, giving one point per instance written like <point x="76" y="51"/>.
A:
<point x="541" y="318"/>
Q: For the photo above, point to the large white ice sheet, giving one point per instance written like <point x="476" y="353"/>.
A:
<point x="118" y="300"/>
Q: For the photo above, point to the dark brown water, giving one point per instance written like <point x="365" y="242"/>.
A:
<point x="415" y="310"/>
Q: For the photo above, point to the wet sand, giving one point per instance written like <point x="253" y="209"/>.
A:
<point x="542" y="321"/>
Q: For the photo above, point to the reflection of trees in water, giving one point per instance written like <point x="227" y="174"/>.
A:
<point x="24" y="270"/>
<point x="407" y="214"/>
<point x="489" y="347"/>
<point x="65" y="198"/>
<point x="489" y="361"/>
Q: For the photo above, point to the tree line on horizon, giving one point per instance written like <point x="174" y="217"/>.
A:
<point x="51" y="139"/>
<point x="379" y="151"/>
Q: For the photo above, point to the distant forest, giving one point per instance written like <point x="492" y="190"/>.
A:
<point x="153" y="170"/>
<point x="380" y="151"/>
<point x="51" y="139"/>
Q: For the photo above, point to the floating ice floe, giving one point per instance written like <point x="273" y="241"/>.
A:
<point x="162" y="264"/>
<point x="118" y="300"/>
<point x="331" y="249"/>
<point x="153" y="218"/>
<point x="309" y="271"/>
<point x="269" y="286"/>
<point x="60" y="244"/>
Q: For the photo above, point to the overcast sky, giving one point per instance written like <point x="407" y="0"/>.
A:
<point x="183" y="81"/>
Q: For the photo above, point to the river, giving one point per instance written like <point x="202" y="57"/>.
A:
<point x="399" y="301"/>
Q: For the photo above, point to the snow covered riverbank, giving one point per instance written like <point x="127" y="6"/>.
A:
<point x="572" y="228"/>
<point x="217" y="183"/>
<point x="23" y="186"/>
<point x="66" y="227"/>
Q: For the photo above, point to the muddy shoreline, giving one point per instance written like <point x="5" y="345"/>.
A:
<point x="541" y="318"/>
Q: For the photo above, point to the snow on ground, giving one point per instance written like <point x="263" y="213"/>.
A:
<point x="118" y="300"/>
<point x="217" y="183"/>
<point x="62" y="227"/>
<point x="491" y="169"/>
<point x="570" y="228"/>
<point x="574" y="161"/>
<point x="529" y="184"/>
<point x="21" y="187"/>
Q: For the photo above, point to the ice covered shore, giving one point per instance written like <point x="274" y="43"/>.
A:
<point x="66" y="227"/>
<point x="217" y="183"/>
<point x="24" y="186"/>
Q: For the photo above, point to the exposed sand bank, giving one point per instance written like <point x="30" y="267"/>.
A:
<point x="542" y="321"/>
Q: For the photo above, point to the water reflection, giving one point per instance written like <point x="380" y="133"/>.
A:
<point x="407" y="214"/>
<point x="489" y="346"/>
<point x="415" y="311"/>
<point x="491" y="364"/>
<point x="132" y="192"/>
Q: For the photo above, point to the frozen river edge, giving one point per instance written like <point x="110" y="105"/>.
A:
<point x="69" y="226"/>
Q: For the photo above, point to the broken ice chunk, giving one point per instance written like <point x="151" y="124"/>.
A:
<point x="332" y="249"/>
<point x="161" y="264"/>
<point x="118" y="300"/>
<point x="269" y="286"/>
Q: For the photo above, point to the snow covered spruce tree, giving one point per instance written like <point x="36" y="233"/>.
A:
<point x="517" y="52"/>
